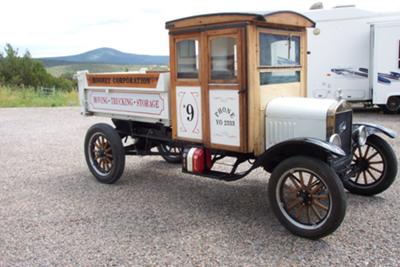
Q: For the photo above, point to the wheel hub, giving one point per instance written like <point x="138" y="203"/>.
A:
<point x="305" y="196"/>
<point x="101" y="153"/>
<point x="362" y="164"/>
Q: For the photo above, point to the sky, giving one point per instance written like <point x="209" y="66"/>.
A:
<point x="68" y="27"/>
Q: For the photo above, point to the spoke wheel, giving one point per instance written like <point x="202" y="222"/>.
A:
<point x="304" y="197"/>
<point x="104" y="153"/>
<point x="307" y="197"/>
<point x="376" y="166"/>
<point x="171" y="154"/>
<point x="101" y="154"/>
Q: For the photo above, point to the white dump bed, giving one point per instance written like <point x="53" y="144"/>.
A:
<point x="128" y="96"/>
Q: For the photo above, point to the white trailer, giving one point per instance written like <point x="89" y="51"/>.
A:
<point x="354" y="55"/>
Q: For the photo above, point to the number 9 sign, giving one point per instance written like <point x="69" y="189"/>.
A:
<point x="189" y="112"/>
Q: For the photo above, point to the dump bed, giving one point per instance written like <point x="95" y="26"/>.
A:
<point x="128" y="96"/>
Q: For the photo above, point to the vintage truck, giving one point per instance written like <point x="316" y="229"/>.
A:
<point x="236" y="88"/>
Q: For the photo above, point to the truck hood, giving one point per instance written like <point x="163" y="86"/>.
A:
<point x="299" y="107"/>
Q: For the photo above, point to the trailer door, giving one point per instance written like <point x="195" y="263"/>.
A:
<point x="385" y="63"/>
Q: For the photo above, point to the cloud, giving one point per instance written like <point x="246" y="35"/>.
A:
<point x="64" y="27"/>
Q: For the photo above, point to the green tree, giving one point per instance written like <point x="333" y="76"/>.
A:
<point x="26" y="71"/>
<point x="1" y="75"/>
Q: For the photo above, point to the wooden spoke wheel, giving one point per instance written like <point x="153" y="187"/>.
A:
<point x="376" y="167"/>
<point x="307" y="197"/>
<point x="170" y="153"/>
<point x="304" y="197"/>
<point x="101" y="153"/>
<point x="104" y="153"/>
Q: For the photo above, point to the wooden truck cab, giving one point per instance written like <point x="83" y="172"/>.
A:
<point x="225" y="68"/>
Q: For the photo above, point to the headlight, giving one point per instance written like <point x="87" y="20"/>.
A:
<point x="335" y="139"/>
<point x="360" y="135"/>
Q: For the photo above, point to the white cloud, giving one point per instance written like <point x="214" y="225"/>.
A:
<point x="53" y="28"/>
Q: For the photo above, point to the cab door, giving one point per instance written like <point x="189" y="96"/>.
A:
<point x="186" y="92"/>
<point x="208" y="88"/>
<point x="225" y="87"/>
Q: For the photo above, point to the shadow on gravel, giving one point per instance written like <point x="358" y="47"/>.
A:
<point x="156" y="195"/>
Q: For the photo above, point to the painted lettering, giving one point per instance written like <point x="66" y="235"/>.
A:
<point x="121" y="101"/>
<point x="100" y="100"/>
<point x="224" y="110"/>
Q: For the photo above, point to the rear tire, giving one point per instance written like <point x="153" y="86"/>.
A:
<point x="392" y="105"/>
<point x="104" y="153"/>
<point x="307" y="197"/>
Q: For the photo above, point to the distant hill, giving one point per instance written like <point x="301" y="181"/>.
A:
<point x="106" y="56"/>
<point x="70" y="69"/>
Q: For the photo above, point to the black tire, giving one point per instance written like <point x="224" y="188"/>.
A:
<point x="317" y="184"/>
<point x="374" y="177"/>
<point x="392" y="105"/>
<point x="104" y="153"/>
<point x="171" y="154"/>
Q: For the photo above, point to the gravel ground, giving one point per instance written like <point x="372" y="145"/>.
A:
<point x="53" y="212"/>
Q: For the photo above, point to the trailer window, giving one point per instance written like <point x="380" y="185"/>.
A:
<point x="279" y="50"/>
<point x="223" y="58"/>
<point x="188" y="59"/>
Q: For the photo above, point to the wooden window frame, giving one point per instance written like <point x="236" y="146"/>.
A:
<point x="277" y="32"/>
<point x="219" y="81"/>
<point x="263" y="68"/>
<point x="187" y="81"/>
<point x="235" y="33"/>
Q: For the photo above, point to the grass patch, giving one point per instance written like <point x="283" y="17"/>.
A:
<point x="22" y="97"/>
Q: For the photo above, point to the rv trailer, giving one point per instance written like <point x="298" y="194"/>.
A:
<point x="355" y="55"/>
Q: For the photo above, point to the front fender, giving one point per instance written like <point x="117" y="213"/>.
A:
<point x="374" y="128"/>
<point x="297" y="147"/>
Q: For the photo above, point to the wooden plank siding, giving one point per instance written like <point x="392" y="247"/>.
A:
<point x="253" y="97"/>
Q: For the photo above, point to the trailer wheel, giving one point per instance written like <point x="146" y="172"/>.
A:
<point x="377" y="165"/>
<point x="171" y="154"/>
<point x="307" y="197"/>
<point x="392" y="105"/>
<point x="104" y="153"/>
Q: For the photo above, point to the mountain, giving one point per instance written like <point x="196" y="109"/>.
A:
<point x="106" y="56"/>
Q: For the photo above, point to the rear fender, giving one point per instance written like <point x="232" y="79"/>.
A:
<point x="295" y="147"/>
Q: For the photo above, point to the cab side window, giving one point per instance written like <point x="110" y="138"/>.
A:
<point x="279" y="58"/>
<point x="223" y="58"/>
<point x="187" y="53"/>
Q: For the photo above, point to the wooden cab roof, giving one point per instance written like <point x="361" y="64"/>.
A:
<point x="284" y="18"/>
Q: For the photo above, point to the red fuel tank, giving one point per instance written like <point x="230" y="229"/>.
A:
<point x="196" y="160"/>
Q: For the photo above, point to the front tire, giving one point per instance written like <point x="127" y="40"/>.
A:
<point x="104" y="153"/>
<point x="377" y="166"/>
<point x="307" y="197"/>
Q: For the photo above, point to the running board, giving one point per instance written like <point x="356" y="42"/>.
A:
<point x="222" y="176"/>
